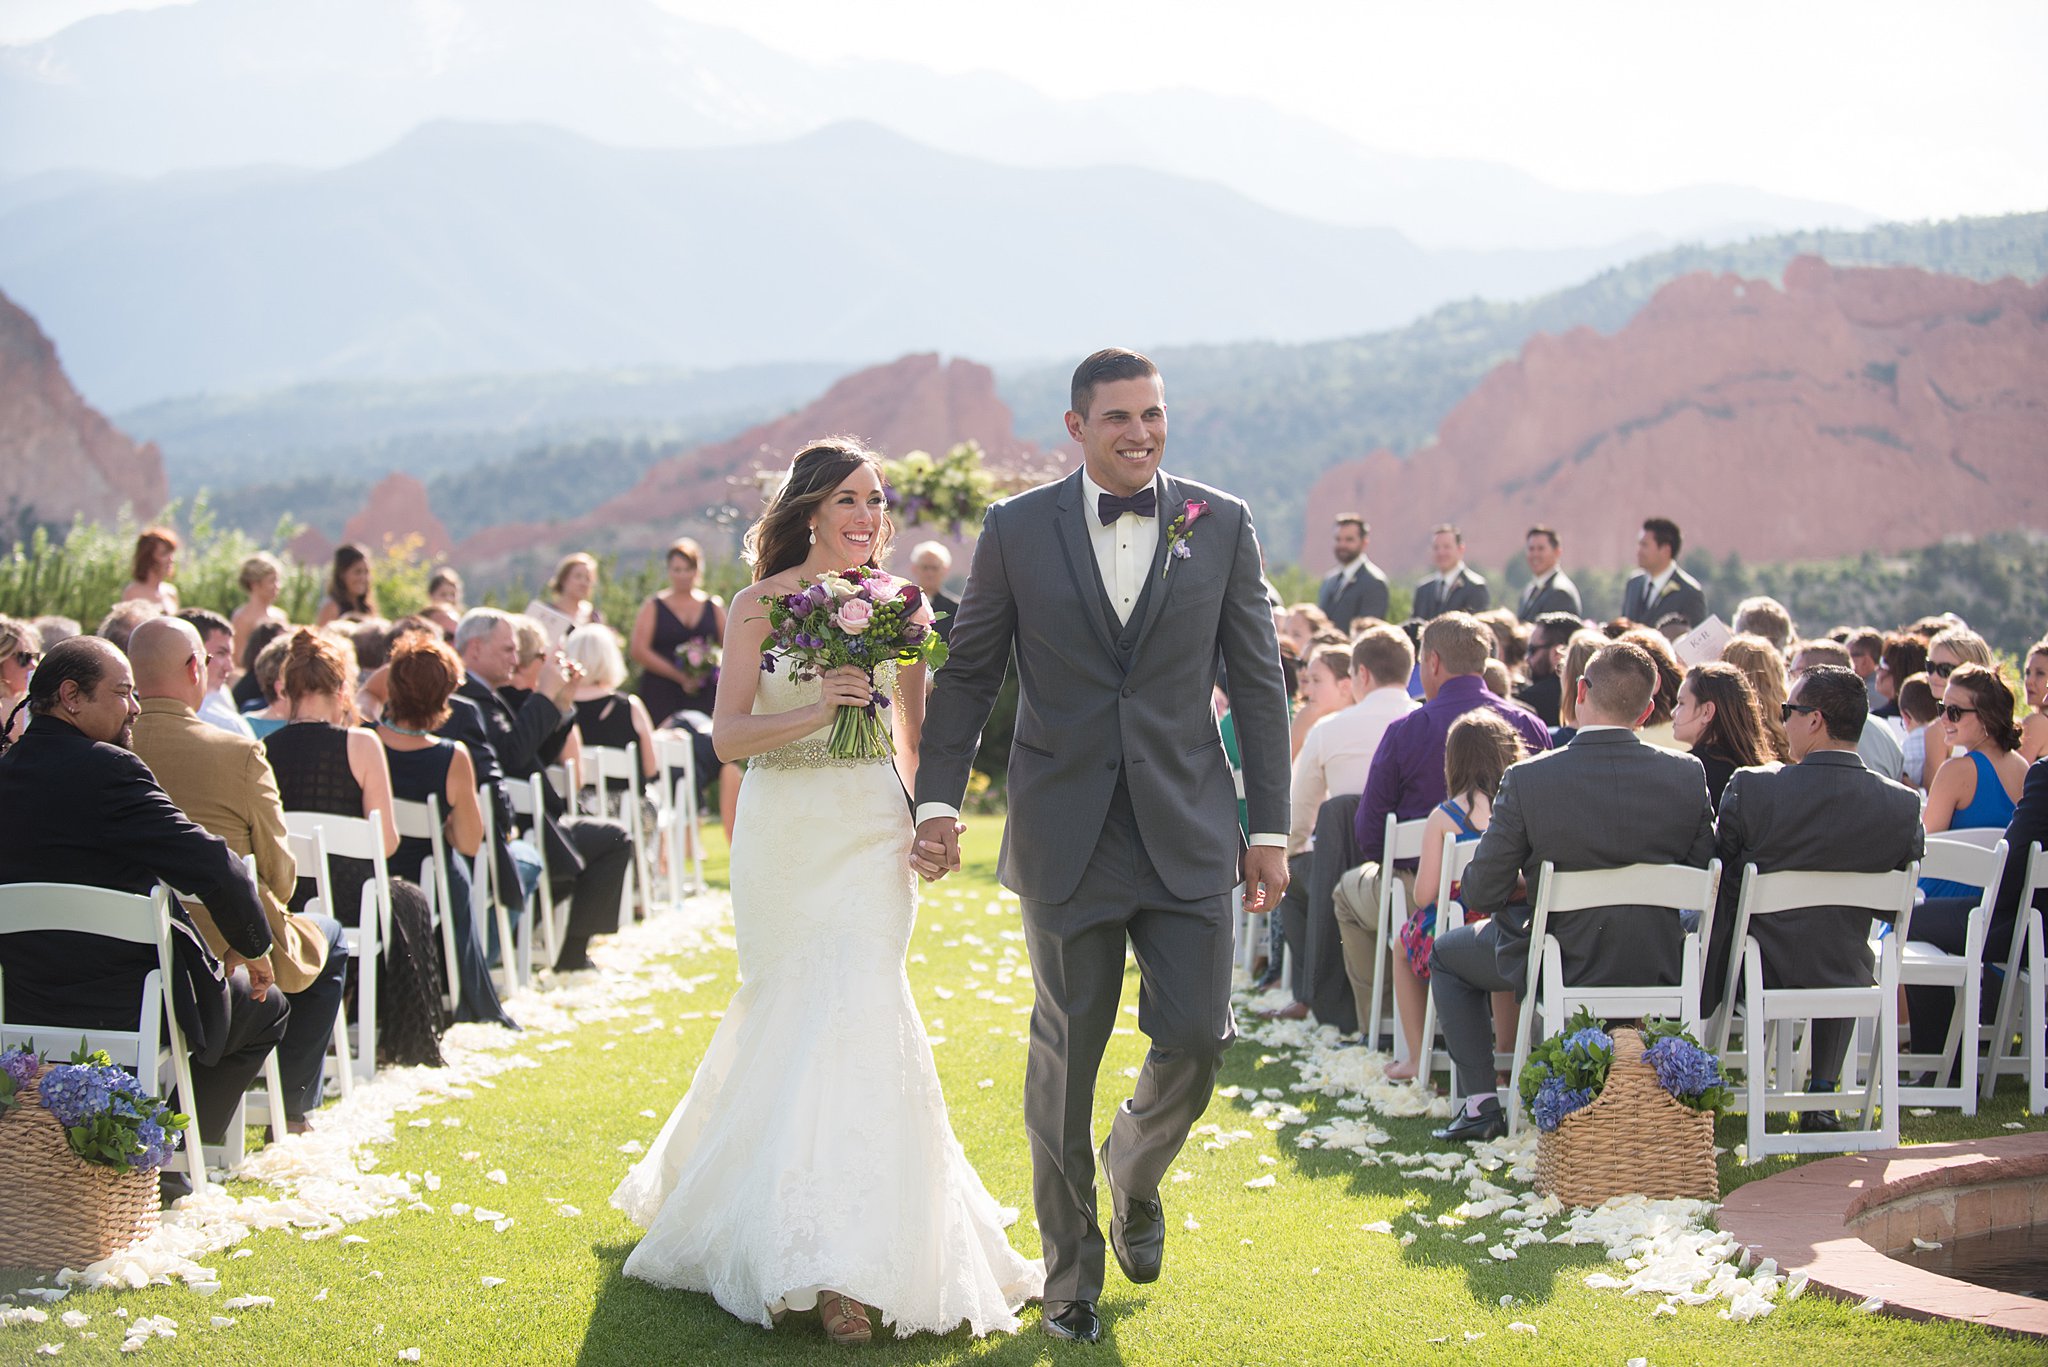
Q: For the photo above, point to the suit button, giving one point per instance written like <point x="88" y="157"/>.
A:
<point x="1130" y="692"/>
<point x="1109" y="764"/>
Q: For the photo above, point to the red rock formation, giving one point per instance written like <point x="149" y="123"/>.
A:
<point x="58" y="457"/>
<point x="397" y="508"/>
<point x="1855" y="409"/>
<point x="916" y="403"/>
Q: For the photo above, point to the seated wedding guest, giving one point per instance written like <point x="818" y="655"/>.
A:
<point x="81" y="808"/>
<point x="1454" y="587"/>
<point x="1477" y="752"/>
<point x="567" y="603"/>
<point x="1357" y="587"/>
<point x="1407" y="777"/>
<point x="1602" y="802"/>
<point x="21" y="646"/>
<point x="325" y="763"/>
<point x="267" y="669"/>
<point x="350" y="592"/>
<point x="1978" y="789"/>
<point x="1579" y="648"/>
<point x="217" y="640"/>
<point x="371" y="641"/>
<point x="222" y="781"/>
<point x="2034" y="729"/>
<point x="1765" y="617"/>
<point x="1329" y="776"/>
<point x="1543" y="691"/>
<point x="1498" y="681"/>
<point x="1866" y="652"/>
<point x="1302" y="625"/>
<point x="444" y="600"/>
<point x="589" y="857"/>
<point x="246" y="691"/>
<point x="1718" y="718"/>
<point x="930" y="563"/>
<point x="1905" y="655"/>
<point x="156" y="561"/>
<point x="121" y="621"/>
<point x="604" y="714"/>
<point x="1510" y="637"/>
<point x="1325" y="689"/>
<point x="1550" y="589"/>
<point x="1878" y="746"/>
<point x="262" y="578"/>
<point x="535" y="653"/>
<point x="1824" y="812"/>
<point x="419" y="685"/>
<point x="1765" y="670"/>
<point x="1656" y="728"/>
<point x="54" y="629"/>
<point x="1662" y="586"/>
<point x="1919" y="711"/>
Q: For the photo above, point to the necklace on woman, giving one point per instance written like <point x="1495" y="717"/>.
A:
<point x="404" y="730"/>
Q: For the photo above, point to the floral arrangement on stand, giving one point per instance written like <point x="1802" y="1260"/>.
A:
<point x="107" y="1118"/>
<point x="1566" y="1072"/>
<point x="954" y="489"/>
<point x="860" y="617"/>
<point x="697" y="660"/>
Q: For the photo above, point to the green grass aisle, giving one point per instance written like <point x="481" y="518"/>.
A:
<point x="1272" y="1274"/>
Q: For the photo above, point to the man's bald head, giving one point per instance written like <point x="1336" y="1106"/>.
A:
<point x="168" y="660"/>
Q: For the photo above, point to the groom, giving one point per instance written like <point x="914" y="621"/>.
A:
<point x="1118" y="588"/>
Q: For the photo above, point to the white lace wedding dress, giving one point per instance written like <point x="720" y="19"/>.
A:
<point x="812" y="1152"/>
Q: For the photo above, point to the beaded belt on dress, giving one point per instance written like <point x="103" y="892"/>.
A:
<point x="808" y="754"/>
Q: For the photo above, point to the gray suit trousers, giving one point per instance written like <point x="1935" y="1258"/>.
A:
<point x="1463" y="974"/>
<point x="1184" y="953"/>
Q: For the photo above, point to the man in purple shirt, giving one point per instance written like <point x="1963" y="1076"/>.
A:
<point x="1407" y="775"/>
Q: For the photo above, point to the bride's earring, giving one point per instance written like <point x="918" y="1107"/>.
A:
<point x="814" y="536"/>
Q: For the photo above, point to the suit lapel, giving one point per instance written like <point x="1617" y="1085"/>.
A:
<point x="1071" y="518"/>
<point x="1159" y="588"/>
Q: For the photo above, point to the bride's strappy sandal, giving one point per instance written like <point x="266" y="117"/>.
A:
<point x="845" y="1319"/>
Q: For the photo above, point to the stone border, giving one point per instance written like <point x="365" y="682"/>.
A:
<point x="1807" y="1219"/>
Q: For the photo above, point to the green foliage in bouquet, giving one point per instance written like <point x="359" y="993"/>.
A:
<point x="1566" y="1071"/>
<point x="1684" y="1067"/>
<point x="953" y="489"/>
<point x="107" y="1118"/>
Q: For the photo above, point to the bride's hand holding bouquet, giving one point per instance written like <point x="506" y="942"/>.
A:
<point x="840" y="629"/>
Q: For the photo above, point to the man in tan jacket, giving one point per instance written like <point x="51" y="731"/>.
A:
<point x="223" y="783"/>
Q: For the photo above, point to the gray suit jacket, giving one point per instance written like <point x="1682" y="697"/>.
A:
<point x="1603" y="801"/>
<point x="1682" y="595"/>
<point x="1364" y="596"/>
<point x="1826" y="813"/>
<point x="1083" y="720"/>
<point x="1559" y="595"/>
<point x="1468" y="594"/>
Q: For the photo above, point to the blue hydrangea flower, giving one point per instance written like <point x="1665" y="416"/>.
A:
<point x="75" y="1093"/>
<point x="1554" y="1101"/>
<point x="1683" y="1068"/>
<point x="21" y="1065"/>
<point x="1590" y="1038"/>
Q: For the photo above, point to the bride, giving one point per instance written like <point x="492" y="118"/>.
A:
<point x="812" y="1163"/>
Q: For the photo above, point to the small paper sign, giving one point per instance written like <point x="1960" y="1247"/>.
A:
<point x="1703" y="644"/>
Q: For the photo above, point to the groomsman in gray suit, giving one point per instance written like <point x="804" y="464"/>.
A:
<point x="1117" y="588"/>
<point x="1357" y="587"/>
<point x="1604" y="801"/>
<point x="1454" y="587"/>
<point x="1549" y="588"/>
<point x="1663" y="587"/>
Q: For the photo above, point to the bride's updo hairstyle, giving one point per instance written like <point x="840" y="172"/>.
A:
<point x="782" y="538"/>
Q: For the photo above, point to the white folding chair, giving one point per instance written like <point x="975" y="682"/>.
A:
<point x="1450" y="914"/>
<point x="354" y="837"/>
<point x="484" y="899"/>
<point x="529" y="803"/>
<point x="2023" y="996"/>
<point x="422" y="821"/>
<point x="1678" y="887"/>
<point x="677" y="814"/>
<point x="603" y="764"/>
<point x="1403" y="842"/>
<point x="1770" y="1014"/>
<point x="33" y="907"/>
<point x="1922" y="965"/>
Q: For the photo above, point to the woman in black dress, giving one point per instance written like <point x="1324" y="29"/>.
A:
<point x="673" y="629"/>
<point x="324" y="765"/>
<point x="1717" y="715"/>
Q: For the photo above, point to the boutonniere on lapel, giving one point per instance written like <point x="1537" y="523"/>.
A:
<point x="1670" y="587"/>
<point x="1180" y="531"/>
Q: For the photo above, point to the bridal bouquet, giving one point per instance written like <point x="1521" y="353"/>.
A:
<point x="859" y="617"/>
<point x="697" y="661"/>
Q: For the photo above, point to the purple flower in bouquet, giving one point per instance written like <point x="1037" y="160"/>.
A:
<point x="75" y="1093"/>
<point x="20" y="1064"/>
<point x="860" y="618"/>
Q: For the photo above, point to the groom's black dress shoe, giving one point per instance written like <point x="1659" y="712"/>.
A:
<point x="1490" y="1123"/>
<point x="1074" y="1321"/>
<point x="1137" y="1229"/>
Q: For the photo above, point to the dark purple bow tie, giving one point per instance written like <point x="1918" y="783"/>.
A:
<point x="1145" y="503"/>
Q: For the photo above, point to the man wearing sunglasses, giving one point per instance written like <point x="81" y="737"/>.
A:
<point x="1878" y="746"/>
<point x="1825" y="812"/>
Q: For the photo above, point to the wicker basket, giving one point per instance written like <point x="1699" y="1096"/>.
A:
<point x="1635" y="1139"/>
<point x="56" y="1209"/>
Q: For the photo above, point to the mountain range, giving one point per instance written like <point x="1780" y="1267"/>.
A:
<point x="222" y="84"/>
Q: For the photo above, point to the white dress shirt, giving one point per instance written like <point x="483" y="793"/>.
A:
<point x="1123" y="555"/>
<point x="1336" y="756"/>
<point x="1658" y="581"/>
<point x="1449" y="578"/>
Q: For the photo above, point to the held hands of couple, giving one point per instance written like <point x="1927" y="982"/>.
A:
<point x="935" y="850"/>
<point x="1265" y="876"/>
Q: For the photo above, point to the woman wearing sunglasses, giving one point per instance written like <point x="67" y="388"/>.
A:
<point x="1980" y="787"/>
<point x="20" y="648"/>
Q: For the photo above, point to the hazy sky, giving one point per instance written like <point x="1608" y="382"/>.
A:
<point x="1906" y="109"/>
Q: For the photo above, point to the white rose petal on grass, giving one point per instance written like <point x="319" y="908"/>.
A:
<point x="75" y="1319"/>
<point x="408" y="1355"/>
<point x="243" y="1253"/>
<point x="492" y="1281"/>
<point x="986" y="1083"/>
<point x="1521" y="1327"/>
<point x="321" y="1294"/>
<point x="1377" y="1227"/>
<point x="1871" y="1306"/>
<point x="1638" y="1362"/>
<point x="353" y="1239"/>
<point x="1265" y="1181"/>
<point x="1191" y="1224"/>
<point x="222" y="1321"/>
<point x="632" y="1146"/>
<point x="647" y="1115"/>
<point x="49" y="1350"/>
<point x="497" y="1175"/>
<point x="568" y="1212"/>
<point x="2014" y="1125"/>
<point x="247" y="1303"/>
<point x="1921" y="1111"/>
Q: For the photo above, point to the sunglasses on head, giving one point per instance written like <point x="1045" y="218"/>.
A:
<point x="1785" y="710"/>
<point x="1954" y="713"/>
